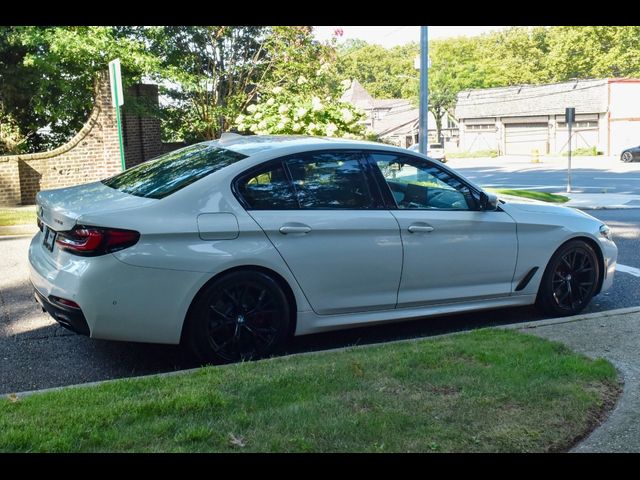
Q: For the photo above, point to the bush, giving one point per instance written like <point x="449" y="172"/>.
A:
<point x="302" y="114"/>
<point x="583" y="151"/>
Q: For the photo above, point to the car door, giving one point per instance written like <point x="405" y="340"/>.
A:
<point x="324" y="214"/>
<point x="452" y="251"/>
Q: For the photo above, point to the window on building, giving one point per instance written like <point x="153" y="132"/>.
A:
<point x="482" y="126"/>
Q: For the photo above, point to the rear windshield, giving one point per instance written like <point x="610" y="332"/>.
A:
<point x="172" y="171"/>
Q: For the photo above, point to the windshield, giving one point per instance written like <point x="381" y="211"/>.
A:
<point x="172" y="171"/>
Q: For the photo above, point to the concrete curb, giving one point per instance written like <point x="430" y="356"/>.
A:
<point x="576" y="318"/>
<point x="513" y="326"/>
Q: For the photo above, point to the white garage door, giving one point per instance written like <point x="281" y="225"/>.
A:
<point x="522" y="138"/>
<point x="624" y="134"/>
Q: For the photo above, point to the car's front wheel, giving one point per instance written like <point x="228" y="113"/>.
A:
<point x="570" y="279"/>
<point x="627" y="156"/>
<point x="243" y="315"/>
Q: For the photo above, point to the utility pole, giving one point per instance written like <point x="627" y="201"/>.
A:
<point x="570" y="117"/>
<point x="424" y="85"/>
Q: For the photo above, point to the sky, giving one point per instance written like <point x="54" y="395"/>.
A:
<point x="392" y="36"/>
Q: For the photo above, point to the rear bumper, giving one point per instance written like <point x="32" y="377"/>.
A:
<point x="70" y="318"/>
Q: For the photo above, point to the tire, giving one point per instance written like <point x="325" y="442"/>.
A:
<point x="626" y="157"/>
<point x="570" y="279"/>
<point x="241" y="316"/>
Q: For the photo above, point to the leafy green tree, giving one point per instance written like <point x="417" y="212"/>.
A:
<point x="47" y="76"/>
<point x="384" y="73"/>
<point x="593" y="52"/>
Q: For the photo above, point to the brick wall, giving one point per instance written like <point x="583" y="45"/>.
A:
<point x="92" y="154"/>
<point x="9" y="182"/>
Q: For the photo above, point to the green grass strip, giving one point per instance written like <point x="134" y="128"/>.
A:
<point x="542" y="196"/>
<point x="490" y="390"/>
<point x="17" y="216"/>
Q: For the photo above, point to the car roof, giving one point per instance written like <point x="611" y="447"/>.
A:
<point x="254" y="144"/>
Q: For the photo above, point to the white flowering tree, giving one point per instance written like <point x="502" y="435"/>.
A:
<point x="302" y="113"/>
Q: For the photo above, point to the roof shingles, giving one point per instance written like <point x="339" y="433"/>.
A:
<point x="587" y="96"/>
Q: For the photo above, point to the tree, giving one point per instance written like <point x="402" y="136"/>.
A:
<point x="384" y="73"/>
<point x="216" y="72"/>
<point x="47" y="76"/>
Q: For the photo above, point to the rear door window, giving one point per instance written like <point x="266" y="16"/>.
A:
<point x="327" y="180"/>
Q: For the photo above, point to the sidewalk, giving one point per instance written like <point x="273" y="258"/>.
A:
<point x="615" y="336"/>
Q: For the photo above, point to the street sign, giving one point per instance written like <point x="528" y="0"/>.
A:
<point x="570" y="115"/>
<point x="115" y="79"/>
<point x="117" y="99"/>
<point x="416" y="62"/>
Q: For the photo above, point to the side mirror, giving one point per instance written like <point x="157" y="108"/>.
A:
<point x="488" y="201"/>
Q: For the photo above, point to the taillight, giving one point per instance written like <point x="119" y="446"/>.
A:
<point x="93" y="241"/>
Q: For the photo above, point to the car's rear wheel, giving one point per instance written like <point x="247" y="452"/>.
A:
<point x="627" y="157"/>
<point x="570" y="279"/>
<point x="243" y="315"/>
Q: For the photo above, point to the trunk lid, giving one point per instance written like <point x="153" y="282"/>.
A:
<point x="61" y="208"/>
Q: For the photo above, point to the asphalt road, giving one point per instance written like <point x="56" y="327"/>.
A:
<point x="36" y="353"/>
<point x="617" y="178"/>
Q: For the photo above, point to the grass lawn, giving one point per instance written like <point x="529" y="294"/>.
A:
<point x="476" y="154"/>
<point x="545" y="197"/>
<point x="484" y="391"/>
<point x="17" y="216"/>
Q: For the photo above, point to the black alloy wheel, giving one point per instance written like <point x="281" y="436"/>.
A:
<point x="627" y="156"/>
<point x="570" y="279"/>
<point x="241" y="316"/>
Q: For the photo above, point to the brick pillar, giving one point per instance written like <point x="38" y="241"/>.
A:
<point x="142" y="135"/>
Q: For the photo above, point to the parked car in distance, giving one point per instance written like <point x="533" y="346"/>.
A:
<point x="232" y="246"/>
<point x="630" y="154"/>
<point x="434" y="150"/>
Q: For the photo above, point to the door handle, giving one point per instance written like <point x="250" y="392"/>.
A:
<point x="285" y="229"/>
<point x="420" y="228"/>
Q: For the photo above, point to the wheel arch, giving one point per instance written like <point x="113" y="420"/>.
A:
<point x="599" y="254"/>
<point x="280" y="280"/>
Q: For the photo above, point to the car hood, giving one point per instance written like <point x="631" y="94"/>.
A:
<point x="518" y="206"/>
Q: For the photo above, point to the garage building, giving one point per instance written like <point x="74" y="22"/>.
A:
<point x="523" y="119"/>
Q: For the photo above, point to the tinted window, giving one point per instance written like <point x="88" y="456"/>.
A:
<point x="172" y="171"/>
<point x="268" y="190"/>
<point x="330" y="180"/>
<point x="421" y="185"/>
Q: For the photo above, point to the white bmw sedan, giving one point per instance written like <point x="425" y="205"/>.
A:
<point x="231" y="246"/>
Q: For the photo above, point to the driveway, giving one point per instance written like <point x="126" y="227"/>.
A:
<point x="36" y="353"/>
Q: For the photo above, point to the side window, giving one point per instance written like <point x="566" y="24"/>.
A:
<point x="420" y="185"/>
<point x="268" y="190"/>
<point x="330" y="180"/>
